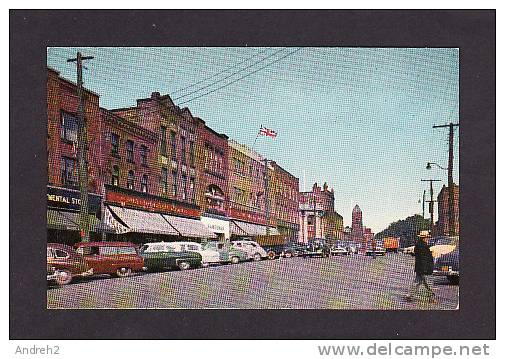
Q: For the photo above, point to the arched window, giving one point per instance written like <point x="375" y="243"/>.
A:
<point x="130" y="184"/>
<point x="143" y="184"/>
<point x="115" y="176"/>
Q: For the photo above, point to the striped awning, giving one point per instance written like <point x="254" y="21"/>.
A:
<point x="189" y="227"/>
<point x="142" y="221"/>
<point x="69" y="221"/>
<point x="250" y="229"/>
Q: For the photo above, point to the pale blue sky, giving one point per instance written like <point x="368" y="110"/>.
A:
<point x="358" y="118"/>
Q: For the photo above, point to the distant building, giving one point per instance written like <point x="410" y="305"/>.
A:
<point x="443" y="210"/>
<point x="357" y="224"/>
<point x="367" y="235"/>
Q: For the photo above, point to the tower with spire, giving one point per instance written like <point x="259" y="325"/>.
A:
<point x="357" y="224"/>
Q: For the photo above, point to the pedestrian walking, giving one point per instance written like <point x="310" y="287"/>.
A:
<point x="423" y="266"/>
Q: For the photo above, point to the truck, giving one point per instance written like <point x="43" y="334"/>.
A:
<point x="391" y="244"/>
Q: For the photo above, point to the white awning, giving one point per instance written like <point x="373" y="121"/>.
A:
<point x="250" y="229"/>
<point x="143" y="222"/>
<point x="190" y="227"/>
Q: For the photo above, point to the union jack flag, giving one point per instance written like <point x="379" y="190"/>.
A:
<point x="267" y="132"/>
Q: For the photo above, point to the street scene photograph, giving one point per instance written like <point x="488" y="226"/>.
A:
<point x="253" y="178"/>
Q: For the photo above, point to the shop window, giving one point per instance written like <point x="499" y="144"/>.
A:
<point x="69" y="177"/>
<point x="143" y="184"/>
<point x="130" y="183"/>
<point x="68" y="127"/>
<point x="129" y="150"/>
<point x="115" y="176"/>
<point x="114" y="142"/>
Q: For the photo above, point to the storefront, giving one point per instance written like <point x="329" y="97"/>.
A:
<point x="240" y="229"/>
<point x="63" y="212"/>
<point x="141" y="218"/>
<point x="219" y="225"/>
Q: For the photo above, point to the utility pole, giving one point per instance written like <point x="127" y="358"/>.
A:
<point x="450" y="182"/>
<point x="431" y="201"/>
<point x="424" y="201"/>
<point x="267" y="204"/>
<point x="82" y="143"/>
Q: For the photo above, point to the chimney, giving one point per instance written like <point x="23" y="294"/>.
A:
<point x="155" y="95"/>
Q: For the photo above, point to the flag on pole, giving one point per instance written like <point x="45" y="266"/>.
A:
<point x="267" y="132"/>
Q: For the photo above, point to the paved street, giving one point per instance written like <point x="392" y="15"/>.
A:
<point x="353" y="282"/>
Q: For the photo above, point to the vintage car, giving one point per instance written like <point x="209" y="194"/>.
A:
<point x="162" y="255"/>
<point x="379" y="251"/>
<point x="443" y="245"/>
<point x="448" y="265"/>
<point x="67" y="263"/>
<point x="339" y="250"/>
<point x="209" y="256"/>
<point x="254" y="250"/>
<point x="296" y="249"/>
<point x="114" y="258"/>
<point x="409" y="250"/>
<point x="227" y="253"/>
<point x="316" y="248"/>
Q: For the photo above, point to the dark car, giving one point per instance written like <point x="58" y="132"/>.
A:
<point x="66" y="263"/>
<point x="317" y="248"/>
<point x="294" y="249"/>
<point x="114" y="258"/>
<point x="161" y="255"/>
<point x="448" y="265"/>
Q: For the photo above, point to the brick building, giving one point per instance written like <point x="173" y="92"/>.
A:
<point x="443" y="210"/>
<point x="317" y="215"/>
<point x="357" y="224"/>
<point x="247" y="192"/>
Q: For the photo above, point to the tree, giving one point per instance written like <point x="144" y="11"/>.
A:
<point x="406" y="229"/>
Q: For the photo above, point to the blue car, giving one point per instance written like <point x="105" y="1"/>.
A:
<point x="448" y="265"/>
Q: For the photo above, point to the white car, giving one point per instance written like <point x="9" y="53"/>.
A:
<point x="209" y="256"/>
<point x="254" y="250"/>
<point x="338" y="250"/>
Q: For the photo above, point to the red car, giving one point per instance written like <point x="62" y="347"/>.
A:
<point x="115" y="258"/>
<point x="65" y="264"/>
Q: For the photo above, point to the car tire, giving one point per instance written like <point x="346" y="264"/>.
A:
<point x="234" y="260"/>
<point x="183" y="265"/>
<point x="453" y="279"/>
<point x="271" y="255"/>
<point x="288" y="255"/>
<point x="256" y="257"/>
<point x="63" y="277"/>
<point x="123" y="272"/>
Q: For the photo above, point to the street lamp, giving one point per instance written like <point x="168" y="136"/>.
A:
<point x="428" y="166"/>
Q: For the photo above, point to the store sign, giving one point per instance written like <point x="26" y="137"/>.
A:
<point x="65" y="198"/>
<point x="150" y="204"/>
<point x="247" y="216"/>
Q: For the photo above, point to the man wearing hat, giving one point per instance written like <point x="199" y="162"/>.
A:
<point x="423" y="266"/>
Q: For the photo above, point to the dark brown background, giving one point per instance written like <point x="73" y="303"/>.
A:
<point x="31" y="31"/>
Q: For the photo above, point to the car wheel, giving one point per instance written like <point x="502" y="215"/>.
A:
<point x="183" y="265"/>
<point x="123" y="272"/>
<point x="453" y="279"/>
<point x="235" y="260"/>
<point x="288" y="255"/>
<point x="257" y="257"/>
<point x="271" y="255"/>
<point x="63" y="277"/>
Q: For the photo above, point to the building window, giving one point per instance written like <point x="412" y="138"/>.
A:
<point x="129" y="150"/>
<point x="163" y="140"/>
<point x="130" y="184"/>
<point x="192" y="190"/>
<point x="68" y="127"/>
<point x="174" y="183"/>
<point x="173" y="143"/>
<point x="191" y="153"/>
<point x="164" y="180"/>
<point x="184" y="187"/>
<point x="143" y="155"/>
<point x="69" y="172"/>
<point x="114" y="141"/>
<point x="143" y="184"/>
<point x="115" y="176"/>
<point x="183" y="150"/>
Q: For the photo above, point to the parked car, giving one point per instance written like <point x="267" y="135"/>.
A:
<point x="352" y="249"/>
<point x="448" y="265"/>
<point x="409" y="250"/>
<point x="51" y="273"/>
<point x="67" y="263"/>
<point x="227" y="253"/>
<point x="379" y="251"/>
<point x="209" y="256"/>
<point x="254" y="250"/>
<point x="317" y="247"/>
<point x="114" y="258"/>
<point x="163" y="255"/>
<point x="297" y="249"/>
<point x="443" y="245"/>
<point x="338" y="250"/>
